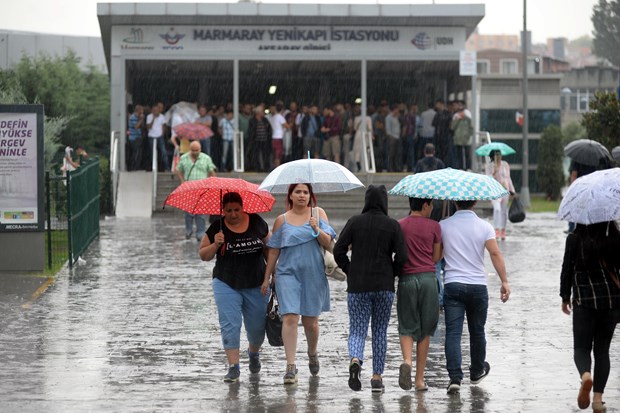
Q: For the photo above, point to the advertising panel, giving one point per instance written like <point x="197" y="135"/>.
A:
<point x="21" y="168"/>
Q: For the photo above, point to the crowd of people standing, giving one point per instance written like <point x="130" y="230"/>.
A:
<point x="279" y="133"/>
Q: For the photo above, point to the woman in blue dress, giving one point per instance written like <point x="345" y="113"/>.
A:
<point x="300" y="282"/>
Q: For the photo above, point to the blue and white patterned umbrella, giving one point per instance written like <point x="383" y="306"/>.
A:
<point x="450" y="184"/>
<point x="323" y="175"/>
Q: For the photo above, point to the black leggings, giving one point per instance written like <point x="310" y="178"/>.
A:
<point x="593" y="326"/>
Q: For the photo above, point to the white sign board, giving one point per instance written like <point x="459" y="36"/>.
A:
<point x="467" y="63"/>
<point x="285" y="41"/>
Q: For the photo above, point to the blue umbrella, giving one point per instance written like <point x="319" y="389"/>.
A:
<point x="449" y="184"/>
<point x="323" y="175"/>
<point x="485" y="150"/>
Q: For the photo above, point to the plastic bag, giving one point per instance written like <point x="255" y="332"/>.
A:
<point x="273" y="323"/>
<point x="516" y="213"/>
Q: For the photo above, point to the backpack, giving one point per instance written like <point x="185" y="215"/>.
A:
<point x="463" y="131"/>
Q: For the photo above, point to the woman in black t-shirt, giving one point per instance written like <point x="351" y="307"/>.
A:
<point x="238" y="240"/>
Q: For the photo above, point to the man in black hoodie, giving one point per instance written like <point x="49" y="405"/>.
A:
<point x="374" y="239"/>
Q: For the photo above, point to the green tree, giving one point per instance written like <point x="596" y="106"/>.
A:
<point x="549" y="174"/>
<point x="606" y="22"/>
<point x="603" y="122"/>
<point x="572" y="132"/>
<point x="83" y="98"/>
<point x="583" y="41"/>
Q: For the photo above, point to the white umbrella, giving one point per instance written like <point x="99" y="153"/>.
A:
<point x="593" y="198"/>
<point x="323" y="175"/>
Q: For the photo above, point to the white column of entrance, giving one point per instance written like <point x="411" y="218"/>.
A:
<point x="368" y="156"/>
<point x="238" y="149"/>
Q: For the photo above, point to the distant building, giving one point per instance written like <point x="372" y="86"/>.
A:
<point x="500" y="91"/>
<point x="557" y="47"/>
<point x="493" y="41"/>
<point x="495" y="61"/>
<point x="579" y="85"/>
<point x="15" y="44"/>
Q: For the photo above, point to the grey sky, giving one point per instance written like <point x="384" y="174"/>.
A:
<point x="546" y="18"/>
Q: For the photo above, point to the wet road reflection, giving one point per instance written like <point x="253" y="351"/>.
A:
<point x="135" y="329"/>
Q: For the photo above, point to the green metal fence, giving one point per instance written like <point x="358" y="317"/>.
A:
<point x="72" y="208"/>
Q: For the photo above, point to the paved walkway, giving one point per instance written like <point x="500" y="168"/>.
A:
<point x="134" y="329"/>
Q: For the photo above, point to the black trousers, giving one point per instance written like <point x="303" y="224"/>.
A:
<point x="593" y="329"/>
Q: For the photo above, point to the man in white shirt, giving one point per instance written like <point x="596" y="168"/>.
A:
<point x="465" y="237"/>
<point x="155" y="123"/>
<point x="278" y="124"/>
<point x="426" y="131"/>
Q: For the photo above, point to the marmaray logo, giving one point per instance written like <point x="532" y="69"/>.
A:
<point x="135" y="36"/>
<point x="172" y="37"/>
<point x="422" y="41"/>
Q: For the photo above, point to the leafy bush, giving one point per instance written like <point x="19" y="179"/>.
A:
<point x="105" y="187"/>
<point x="549" y="174"/>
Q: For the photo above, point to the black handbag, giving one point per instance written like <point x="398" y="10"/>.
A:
<point x="516" y="213"/>
<point x="273" y="323"/>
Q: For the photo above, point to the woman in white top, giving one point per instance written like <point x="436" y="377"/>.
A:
<point x="500" y="170"/>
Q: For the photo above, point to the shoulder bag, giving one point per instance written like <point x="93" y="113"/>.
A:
<point x="332" y="269"/>
<point x="273" y="322"/>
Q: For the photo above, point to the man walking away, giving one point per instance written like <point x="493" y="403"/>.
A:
<point x="465" y="237"/>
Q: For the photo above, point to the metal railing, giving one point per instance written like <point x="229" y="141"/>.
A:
<point x="72" y="212"/>
<point x="238" y="152"/>
<point x="479" y="163"/>
<point x="114" y="164"/>
<point x="154" y="169"/>
<point x="368" y="154"/>
<point x="83" y="205"/>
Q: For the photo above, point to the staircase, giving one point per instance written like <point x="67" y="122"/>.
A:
<point x="340" y="205"/>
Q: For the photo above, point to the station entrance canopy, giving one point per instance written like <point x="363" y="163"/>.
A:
<point x="315" y="52"/>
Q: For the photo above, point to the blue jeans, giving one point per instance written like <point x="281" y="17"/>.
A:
<point x="227" y="150"/>
<point x="232" y="305"/>
<point x="161" y="151"/>
<point x="200" y="225"/>
<point x="205" y="146"/>
<point x="460" y="300"/>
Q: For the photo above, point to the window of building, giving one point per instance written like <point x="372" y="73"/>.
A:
<point x="508" y="66"/>
<point x="483" y="67"/>
<point x="503" y="120"/>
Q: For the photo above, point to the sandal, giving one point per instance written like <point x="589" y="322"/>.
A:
<point x="583" y="399"/>
<point x="422" y="388"/>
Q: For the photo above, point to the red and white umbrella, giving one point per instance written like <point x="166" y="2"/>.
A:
<point x="204" y="196"/>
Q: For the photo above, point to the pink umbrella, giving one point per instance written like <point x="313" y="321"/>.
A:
<point x="193" y="131"/>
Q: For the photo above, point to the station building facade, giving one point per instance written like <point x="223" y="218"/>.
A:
<point x="311" y="53"/>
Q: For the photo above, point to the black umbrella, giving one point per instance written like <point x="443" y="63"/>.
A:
<point x="587" y="152"/>
<point x="615" y="152"/>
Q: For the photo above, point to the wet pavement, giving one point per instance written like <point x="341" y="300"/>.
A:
<point x="134" y="328"/>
